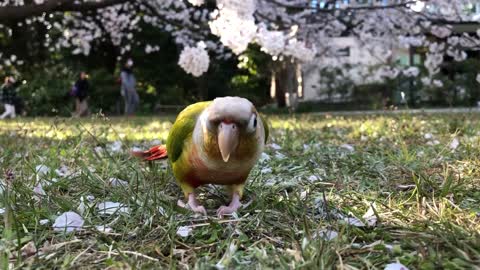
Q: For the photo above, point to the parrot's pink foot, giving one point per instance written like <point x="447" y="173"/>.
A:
<point x="231" y="208"/>
<point x="195" y="206"/>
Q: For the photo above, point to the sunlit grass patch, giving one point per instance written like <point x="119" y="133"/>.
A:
<point x="331" y="192"/>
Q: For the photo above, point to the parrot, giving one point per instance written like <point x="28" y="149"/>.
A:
<point x="213" y="142"/>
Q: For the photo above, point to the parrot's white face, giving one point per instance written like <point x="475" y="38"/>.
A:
<point x="229" y="119"/>
<point x="237" y="108"/>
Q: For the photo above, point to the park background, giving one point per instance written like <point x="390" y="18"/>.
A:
<point x="47" y="53"/>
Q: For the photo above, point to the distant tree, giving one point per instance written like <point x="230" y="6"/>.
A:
<point x="288" y="30"/>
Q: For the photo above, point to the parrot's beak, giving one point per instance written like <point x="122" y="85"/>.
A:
<point x="227" y="139"/>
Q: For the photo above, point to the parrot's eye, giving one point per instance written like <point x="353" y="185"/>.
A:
<point x="252" y="124"/>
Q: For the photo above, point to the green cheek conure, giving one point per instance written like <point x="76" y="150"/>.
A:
<point x="213" y="142"/>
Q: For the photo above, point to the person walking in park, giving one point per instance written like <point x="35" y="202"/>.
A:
<point x="80" y="92"/>
<point x="8" y="97"/>
<point x="128" y="90"/>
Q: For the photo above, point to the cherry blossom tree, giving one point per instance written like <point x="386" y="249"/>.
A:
<point x="291" y="31"/>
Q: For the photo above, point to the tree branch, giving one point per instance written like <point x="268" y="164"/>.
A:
<point x="327" y="8"/>
<point x="16" y="13"/>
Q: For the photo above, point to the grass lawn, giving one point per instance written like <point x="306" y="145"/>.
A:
<point x="331" y="192"/>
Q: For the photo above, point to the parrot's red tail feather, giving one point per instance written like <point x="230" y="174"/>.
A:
<point x="154" y="153"/>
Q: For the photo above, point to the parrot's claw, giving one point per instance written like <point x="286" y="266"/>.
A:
<point x="199" y="209"/>
<point x="231" y="208"/>
<point x="226" y="210"/>
<point x="193" y="205"/>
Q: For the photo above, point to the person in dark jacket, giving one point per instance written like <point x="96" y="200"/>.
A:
<point x="80" y="92"/>
<point x="8" y="97"/>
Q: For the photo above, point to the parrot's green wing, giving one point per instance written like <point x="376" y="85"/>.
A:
<point x="183" y="128"/>
<point x="265" y="127"/>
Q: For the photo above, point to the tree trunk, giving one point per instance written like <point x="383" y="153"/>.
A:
<point x="285" y="82"/>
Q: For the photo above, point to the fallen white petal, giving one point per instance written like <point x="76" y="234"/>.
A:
<point x="155" y="142"/>
<point x="428" y="136"/>
<point x="266" y="170"/>
<point x="264" y="157"/>
<point x="348" y="147"/>
<point x="275" y="146"/>
<point x="184" y="231"/>
<point x="103" y="228"/>
<point x="109" y="208"/>
<point x="313" y="178"/>
<point x="227" y="257"/>
<point x="38" y="190"/>
<point x="136" y="149"/>
<point x="454" y="144"/>
<point x="326" y="234"/>
<point x="115" y="182"/>
<point x="42" y="169"/>
<point x="68" y="221"/>
<point x="435" y="142"/>
<point x="2" y="211"/>
<point x="354" y="222"/>
<point x="370" y="217"/>
<point x="44" y="221"/>
<point x="395" y="266"/>
<point x="280" y="156"/>
<point x="406" y="187"/>
<point x="389" y="247"/>
<point x="81" y="207"/>
<point x="115" y="147"/>
<point x="270" y="182"/>
<point x="98" y="150"/>
<point x="63" y="171"/>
